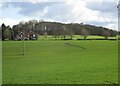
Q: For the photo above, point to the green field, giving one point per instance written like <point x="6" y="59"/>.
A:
<point x="51" y="37"/>
<point x="0" y="63"/>
<point x="57" y="62"/>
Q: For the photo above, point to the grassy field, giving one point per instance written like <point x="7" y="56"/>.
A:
<point x="60" y="62"/>
<point x="0" y="62"/>
<point x="75" y="37"/>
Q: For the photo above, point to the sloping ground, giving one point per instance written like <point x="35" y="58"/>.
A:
<point x="54" y="62"/>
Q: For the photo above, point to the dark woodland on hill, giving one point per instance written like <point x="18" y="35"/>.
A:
<point x="57" y="29"/>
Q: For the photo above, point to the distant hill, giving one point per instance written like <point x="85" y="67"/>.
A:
<point x="55" y="28"/>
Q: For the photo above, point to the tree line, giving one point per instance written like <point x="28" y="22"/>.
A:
<point x="57" y="29"/>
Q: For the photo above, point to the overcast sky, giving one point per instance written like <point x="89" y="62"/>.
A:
<point x="95" y="12"/>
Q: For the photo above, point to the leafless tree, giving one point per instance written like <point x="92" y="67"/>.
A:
<point x="84" y="33"/>
<point x="106" y="34"/>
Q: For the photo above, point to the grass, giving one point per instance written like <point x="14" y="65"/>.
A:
<point x="55" y="62"/>
<point x="51" y="37"/>
<point x="0" y="63"/>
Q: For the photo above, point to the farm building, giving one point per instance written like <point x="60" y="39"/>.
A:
<point x="26" y="36"/>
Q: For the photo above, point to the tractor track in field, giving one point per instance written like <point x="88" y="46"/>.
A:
<point x="74" y="45"/>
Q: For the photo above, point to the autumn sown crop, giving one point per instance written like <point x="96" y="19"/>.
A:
<point x="60" y="62"/>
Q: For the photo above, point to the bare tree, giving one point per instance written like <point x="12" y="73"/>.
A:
<point x="84" y="33"/>
<point x="106" y="34"/>
<point x="45" y="35"/>
<point x="70" y="32"/>
<point x="64" y="33"/>
<point x="8" y="33"/>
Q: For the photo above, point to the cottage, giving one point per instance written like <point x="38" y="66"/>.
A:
<point x="28" y="36"/>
